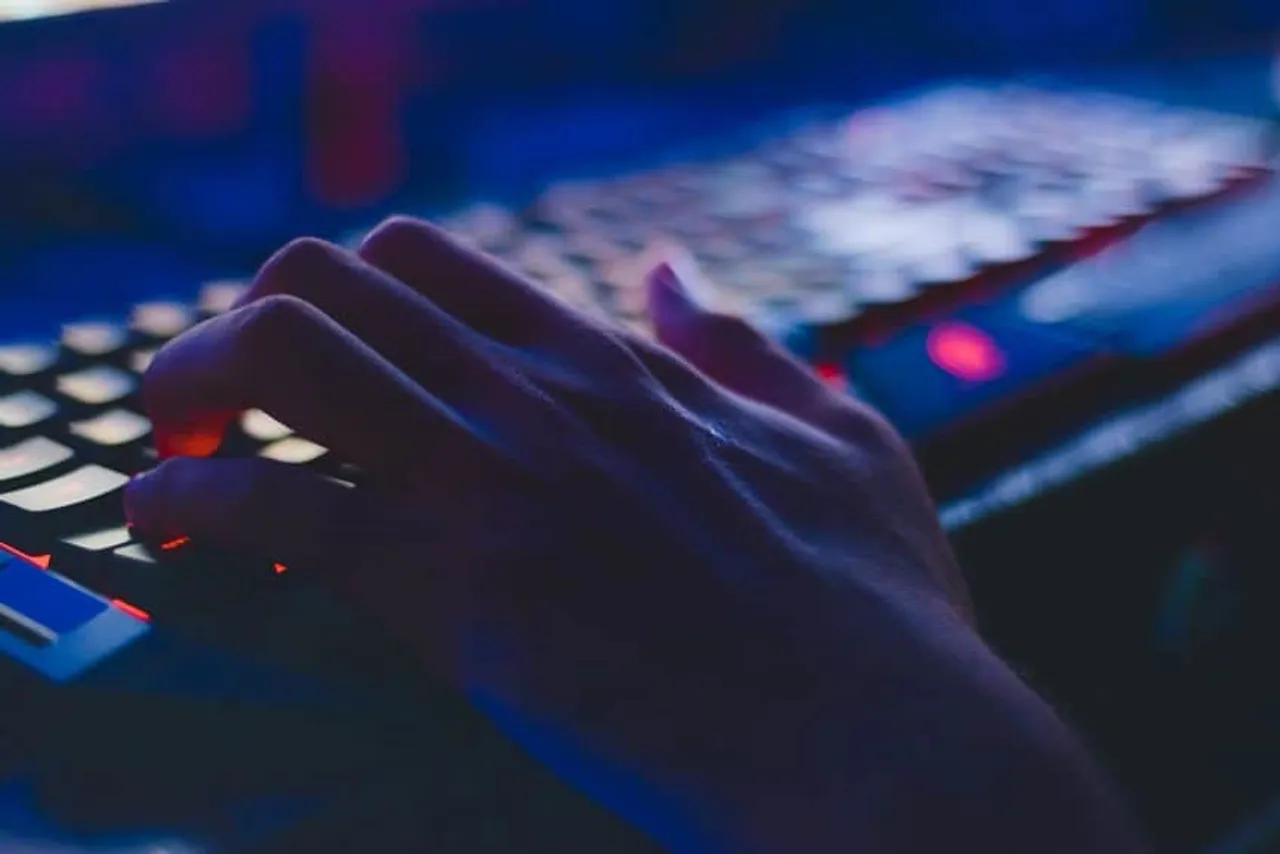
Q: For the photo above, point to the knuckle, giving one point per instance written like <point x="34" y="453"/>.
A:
<point x="294" y="268"/>
<point x="300" y="258"/>
<point x="392" y="234"/>
<point x="273" y="316"/>
<point x="278" y="323"/>
<point x="403" y="242"/>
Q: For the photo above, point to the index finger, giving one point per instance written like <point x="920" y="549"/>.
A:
<point x="289" y="359"/>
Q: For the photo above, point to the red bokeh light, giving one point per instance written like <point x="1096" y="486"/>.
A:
<point x="966" y="352"/>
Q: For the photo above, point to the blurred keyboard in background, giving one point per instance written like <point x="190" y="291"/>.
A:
<point x="991" y="266"/>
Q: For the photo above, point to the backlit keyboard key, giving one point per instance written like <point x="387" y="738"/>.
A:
<point x="162" y="320"/>
<point x="113" y="428"/>
<point x="81" y="557"/>
<point x="25" y="409"/>
<point x="97" y="386"/>
<point x="294" y="450"/>
<point x="136" y="553"/>
<point x="219" y="297"/>
<point x="260" y="426"/>
<point x="140" y="360"/>
<point x="80" y="486"/>
<point x="29" y="457"/>
<point x="94" y="338"/>
<point x="100" y="541"/>
<point x="25" y="360"/>
<point x="39" y="515"/>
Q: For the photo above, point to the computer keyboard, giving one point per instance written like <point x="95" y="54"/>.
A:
<point x="993" y="267"/>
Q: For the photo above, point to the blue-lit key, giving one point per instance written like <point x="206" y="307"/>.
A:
<point x="55" y="627"/>
<point x="45" y="600"/>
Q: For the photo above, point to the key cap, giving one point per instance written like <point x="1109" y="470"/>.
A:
<point x="81" y="557"/>
<point x="140" y="360"/>
<point x="97" y="385"/>
<point x="27" y="360"/>
<point x="94" y="338"/>
<point x="41" y="606"/>
<point x="136" y="553"/>
<point x="103" y="540"/>
<point x="294" y="450"/>
<point x="219" y="297"/>
<point x="127" y="572"/>
<point x="110" y="562"/>
<point x="29" y="457"/>
<point x="261" y="427"/>
<point x="162" y="320"/>
<point x="113" y="428"/>
<point x="25" y="409"/>
<point x="112" y="438"/>
<point x="39" y="515"/>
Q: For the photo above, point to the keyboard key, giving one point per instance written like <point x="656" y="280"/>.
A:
<point x="132" y="573"/>
<point x="94" y="338"/>
<point x="258" y="425"/>
<point x="136" y="553"/>
<point x="162" y="320"/>
<point x="39" y="515"/>
<point x="25" y="409"/>
<point x="294" y="450"/>
<point x="40" y="601"/>
<point x="98" y="385"/>
<point x="83" y="557"/>
<point x="140" y="360"/>
<point x="26" y="360"/>
<point x="113" y="428"/>
<point x="100" y="541"/>
<point x="31" y="456"/>
<point x="84" y="484"/>
<point x="219" y="297"/>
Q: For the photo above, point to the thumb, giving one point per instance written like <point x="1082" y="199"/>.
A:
<point x="728" y="349"/>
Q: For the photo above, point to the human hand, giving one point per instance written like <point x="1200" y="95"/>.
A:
<point x="706" y="588"/>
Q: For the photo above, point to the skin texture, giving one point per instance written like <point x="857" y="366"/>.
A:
<point x="688" y="576"/>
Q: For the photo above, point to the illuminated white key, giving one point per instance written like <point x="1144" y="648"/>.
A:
<point x="95" y="386"/>
<point x="259" y="425"/>
<point x="219" y="297"/>
<point x="294" y="450"/>
<point x="113" y="428"/>
<point x="93" y="337"/>
<point x="162" y="319"/>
